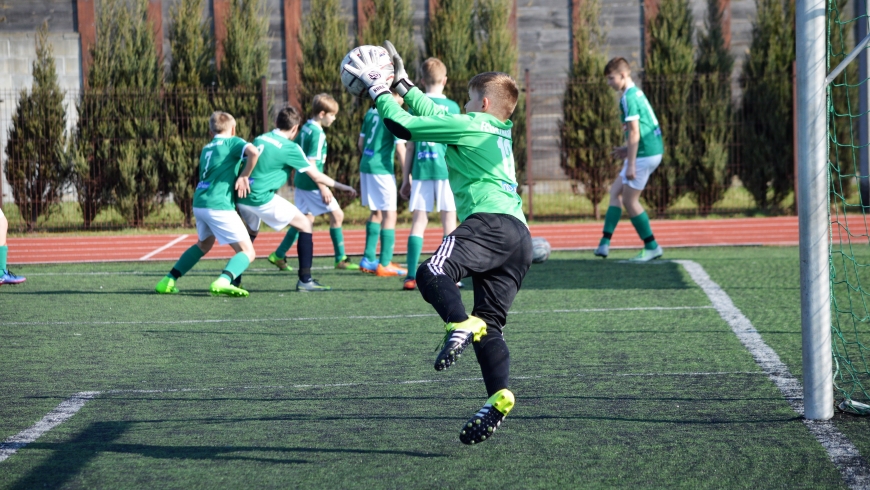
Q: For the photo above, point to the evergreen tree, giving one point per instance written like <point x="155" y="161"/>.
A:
<point x="36" y="150"/>
<point x="711" y="95"/>
<point x="449" y="36"/>
<point x="766" y="133"/>
<point x="324" y="43"/>
<point x="392" y="20"/>
<point x="590" y="126"/>
<point x="668" y="85"/>
<point x="496" y="51"/>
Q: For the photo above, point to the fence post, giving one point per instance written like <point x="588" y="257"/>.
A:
<point x="794" y="127"/>
<point x="530" y="181"/>
<point x="264" y="104"/>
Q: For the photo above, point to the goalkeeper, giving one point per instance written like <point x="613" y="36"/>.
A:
<point x="492" y="245"/>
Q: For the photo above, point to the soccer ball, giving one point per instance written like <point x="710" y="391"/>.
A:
<point x="356" y="86"/>
<point x="540" y="250"/>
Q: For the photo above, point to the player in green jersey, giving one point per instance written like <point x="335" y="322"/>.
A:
<point x="642" y="154"/>
<point x="492" y="245"/>
<point x="215" y="209"/>
<point x="6" y="277"/>
<point x="312" y="198"/>
<point x="378" y="192"/>
<point x="279" y="155"/>
<point x="425" y="175"/>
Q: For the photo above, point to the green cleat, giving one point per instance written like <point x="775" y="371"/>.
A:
<point x="648" y="255"/>
<point x="223" y="287"/>
<point x="346" y="264"/>
<point x="457" y="338"/>
<point x="280" y="263"/>
<point x="166" y="286"/>
<point x="488" y="419"/>
<point x="311" y="286"/>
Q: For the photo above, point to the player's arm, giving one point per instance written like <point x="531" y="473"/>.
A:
<point x="400" y="153"/>
<point x="407" y="168"/>
<point x="440" y="128"/>
<point x="324" y="181"/>
<point x="243" y="185"/>
<point x="360" y="143"/>
<point x="631" y="149"/>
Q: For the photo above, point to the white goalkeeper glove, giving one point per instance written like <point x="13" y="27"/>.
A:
<point x="401" y="82"/>
<point x="366" y="69"/>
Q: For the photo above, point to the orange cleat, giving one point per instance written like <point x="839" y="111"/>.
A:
<point x="410" y="284"/>
<point x="391" y="270"/>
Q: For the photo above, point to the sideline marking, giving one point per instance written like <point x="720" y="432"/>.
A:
<point x="845" y="456"/>
<point x="353" y="317"/>
<point x="155" y="252"/>
<point x="59" y="415"/>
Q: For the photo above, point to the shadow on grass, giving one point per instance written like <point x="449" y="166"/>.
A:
<point x="604" y="274"/>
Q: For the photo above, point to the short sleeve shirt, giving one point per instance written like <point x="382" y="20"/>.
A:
<point x="429" y="162"/>
<point x="278" y="157"/>
<point x="634" y="106"/>
<point x="312" y="139"/>
<point x="379" y="146"/>
<point x="219" y="164"/>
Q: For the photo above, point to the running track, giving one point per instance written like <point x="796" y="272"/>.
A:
<point x="583" y="236"/>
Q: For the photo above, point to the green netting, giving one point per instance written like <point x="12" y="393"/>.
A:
<point x="850" y="242"/>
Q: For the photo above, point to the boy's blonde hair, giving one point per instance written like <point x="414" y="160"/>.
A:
<point x="500" y="88"/>
<point x="220" y="122"/>
<point x="434" y="72"/>
<point x="618" y="64"/>
<point x="323" y="103"/>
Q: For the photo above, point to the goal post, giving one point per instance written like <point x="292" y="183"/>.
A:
<point x="813" y="207"/>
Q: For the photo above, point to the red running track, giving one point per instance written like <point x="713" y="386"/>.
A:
<point x="582" y="236"/>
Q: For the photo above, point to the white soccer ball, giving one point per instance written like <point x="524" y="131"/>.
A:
<point x="356" y="86"/>
<point x="540" y="250"/>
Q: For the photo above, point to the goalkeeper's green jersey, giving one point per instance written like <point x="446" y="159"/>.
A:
<point x="379" y="146"/>
<point x="312" y="139"/>
<point x="278" y="157"/>
<point x="480" y="158"/>
<point x="634" y="106"/>
<point x="429" y="163"/>
<point x="219" y="164"/>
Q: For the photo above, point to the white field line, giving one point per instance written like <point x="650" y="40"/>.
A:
<point x="142" y="273"/>
<point x="351" y="317"/>
<point x="59" y="415"/>
<point x="157" y="251"/>
<point x="845" y="456"/>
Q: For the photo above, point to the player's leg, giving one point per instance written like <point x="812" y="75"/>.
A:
<point x="235" y="267"/>
<point x="369" y="262"/>
<point x="639" y="219"/>
<point x="447" y="209"/>
<point x="6" y="277"/>
<point x="385" y="195"/>
<point x="251" y="218"/>
<point x="305" y="252"/>
<point x="190" y="256"/>
<point x="336" y="218"/>
<point x="306" y="202"/>
<point x="420" y="203"/>
<point x="611" y="217"/>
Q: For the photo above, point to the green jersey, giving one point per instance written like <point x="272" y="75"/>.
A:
<point x="219" y="164"/>
<point x="312" y="139"/>
<point x="634" y="106"/>
<point x="480" y="159"/>
<point x="278" y="156"/>
<point x="379" y="146"/>
<point x="429" y="163"/>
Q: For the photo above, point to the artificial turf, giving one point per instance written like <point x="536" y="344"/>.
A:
<point x="337" y="390"/>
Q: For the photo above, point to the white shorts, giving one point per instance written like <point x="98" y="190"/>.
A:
<point x="644" y="167"/>
<point x="378" y="191"/>
<point x="424" y="194"/>
<point x="226" y="226"/>
<point x="311" y="202"/>
<point x="277" y="213"/>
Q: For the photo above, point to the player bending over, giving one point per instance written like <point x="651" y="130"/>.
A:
<point x="424" y="177"/>
<point x="492" y="245"/>
<point x="279" y="155"/>
<point x="215" y="209"/>
<point x="378" y="191"/>
<point x="642" y="153"/>
<point x="312" y="198"/>
<point x="6" y="277"/>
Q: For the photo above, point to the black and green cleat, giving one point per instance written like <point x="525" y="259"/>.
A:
<point x="488" y="419"/>
<point x="457" y="338"/>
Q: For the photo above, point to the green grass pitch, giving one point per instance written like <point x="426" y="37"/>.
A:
<point x="294" y="390"/>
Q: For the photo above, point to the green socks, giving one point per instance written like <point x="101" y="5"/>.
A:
<point x="372" y="232"/>
<point x="236" y="266"/>
<point x="388" y="244"/>
<point x="288" y="241"/>
<point x="611" y="219"/>
<point x="415" y="247"/>
<point x="337" y="242"/>
<point x="644" y="231"/>
<point x="186" y="262"/>
<point x="4" y="251"/>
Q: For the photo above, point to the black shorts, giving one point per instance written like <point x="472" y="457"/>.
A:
<point x="495" y="250"/>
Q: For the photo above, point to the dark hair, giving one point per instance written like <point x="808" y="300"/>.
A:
<point x="617" y="64"/>
<point x="287" y="118"/>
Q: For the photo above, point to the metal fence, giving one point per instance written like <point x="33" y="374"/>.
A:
<point x="137" y="137"/>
